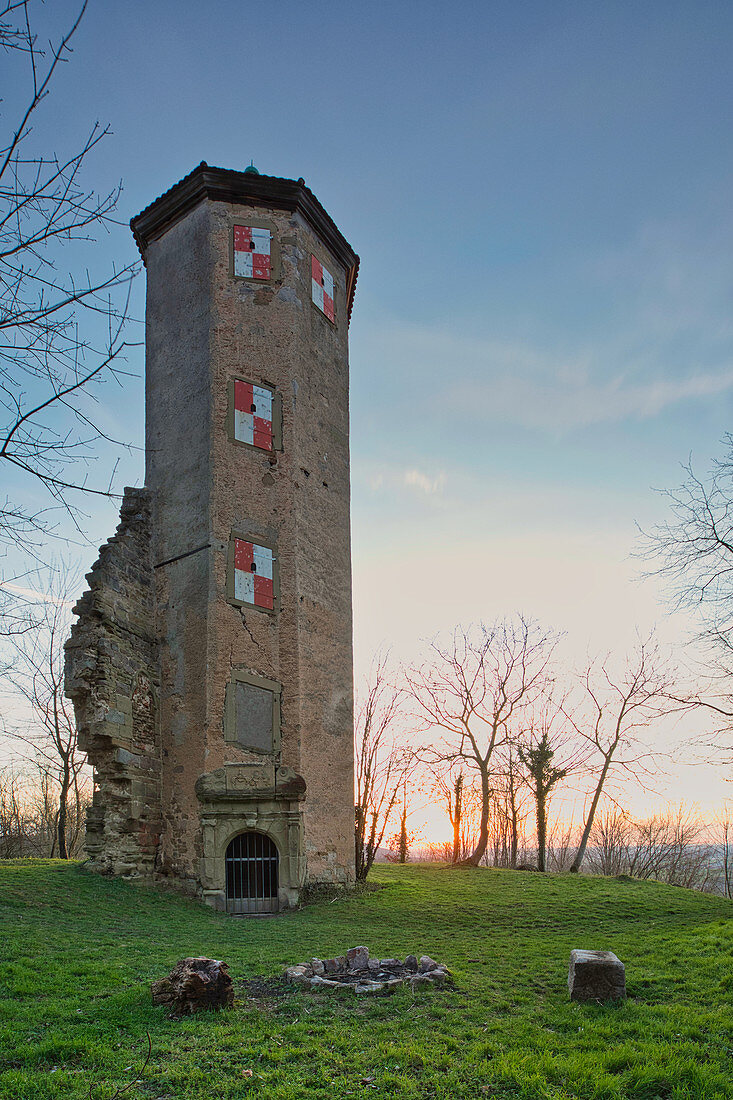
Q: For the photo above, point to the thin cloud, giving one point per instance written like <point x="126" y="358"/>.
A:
<point x="431" y="486"/>
<point x="414" y="480"/>
<point x="560" y="404"/>
<point x="505" y="382"/>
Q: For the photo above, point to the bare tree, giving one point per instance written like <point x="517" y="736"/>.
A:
<point x="508" y="810"/>
<point x="61" y="332"/>
<point x="400" y="843"/>
<point x="694" y="551"/>
<point x="671" y="846"/>
<point x="13" y="826"/>
<point x="695" y="548"/>
<point x="381" y="764"/>
<point x="49" y="734"/>
<point x="611" y="720"/>
<point x="448" y="787"/>
<point x="473" y="689"/>
<point x="561" y="838"/>
<point x="610" y="840"/>
<point x="29" y="815"/>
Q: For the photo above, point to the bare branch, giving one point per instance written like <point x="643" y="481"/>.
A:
<point x="63" y="332"/>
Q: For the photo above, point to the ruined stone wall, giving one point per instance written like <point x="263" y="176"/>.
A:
<point x="112" y="678"/>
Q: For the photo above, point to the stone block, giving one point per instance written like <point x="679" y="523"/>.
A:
<point x="298" y="974"/>
<point x="420" y="980"/>
<point x="596" y="976"/>
<point x="358" y="958"/>
<point x="318" y="981"/>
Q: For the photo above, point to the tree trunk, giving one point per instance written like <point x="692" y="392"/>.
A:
<point x="514" y="822"/>
<point x="457" y="813"/>
<point x="591" y="817"/>
<point x="541" y="828"/>
<point x="359" y="830"/>
<point x="63" y="813"/>
<point x="483" y="837"/>
<point x="195" y="984"/>
<point x="403" y="848"/>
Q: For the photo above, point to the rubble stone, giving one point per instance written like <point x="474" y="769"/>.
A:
<point x="358" y="957"/>
<point x="298" y="973"/>
<point x="362" y="973"/>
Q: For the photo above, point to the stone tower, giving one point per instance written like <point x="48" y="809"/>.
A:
<point x="211" y="665"/>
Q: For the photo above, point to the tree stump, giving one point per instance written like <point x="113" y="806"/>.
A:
<point x="193" y="985"/>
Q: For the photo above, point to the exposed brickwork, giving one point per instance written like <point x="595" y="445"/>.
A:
<point x="112" y="678"/>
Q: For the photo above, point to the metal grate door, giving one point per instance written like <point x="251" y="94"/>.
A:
<point x="251" y="869"/>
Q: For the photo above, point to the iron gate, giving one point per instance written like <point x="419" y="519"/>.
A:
<point x="251" y="869"/>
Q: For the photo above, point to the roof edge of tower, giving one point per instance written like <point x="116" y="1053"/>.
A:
<point x="228" y="185"/>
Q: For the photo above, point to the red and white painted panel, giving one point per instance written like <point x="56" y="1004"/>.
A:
<point x="322" y="288"/>
<point x="253" y="415"/>
<point x="253" y="574"/>
<point x="252" y="248"/>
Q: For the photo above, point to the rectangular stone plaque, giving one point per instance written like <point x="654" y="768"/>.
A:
<point x="253" y="717"/>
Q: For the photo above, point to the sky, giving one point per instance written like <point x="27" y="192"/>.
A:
<point x="541" y="198"/>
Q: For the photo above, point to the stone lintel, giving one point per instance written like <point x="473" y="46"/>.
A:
<point x="250" y="783"/>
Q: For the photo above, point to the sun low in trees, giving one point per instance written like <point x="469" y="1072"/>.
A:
<point x="448" y="786"/>
<point x="471" y="694"/>
<point x="503" y="720"/>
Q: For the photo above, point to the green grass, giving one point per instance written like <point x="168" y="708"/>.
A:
<point x="78" y="953"/>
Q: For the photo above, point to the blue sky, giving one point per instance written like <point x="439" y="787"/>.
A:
<point x="541" y="198"/>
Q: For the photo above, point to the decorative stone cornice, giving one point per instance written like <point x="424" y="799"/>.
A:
<point x="226" y="185"/>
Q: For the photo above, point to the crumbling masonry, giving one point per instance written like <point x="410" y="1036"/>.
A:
<point x="211" y="665"/>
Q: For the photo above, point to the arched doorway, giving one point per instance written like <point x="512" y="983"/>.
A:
<point x="252" y="874"/>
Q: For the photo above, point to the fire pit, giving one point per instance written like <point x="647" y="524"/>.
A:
<point x="359" y="971"/>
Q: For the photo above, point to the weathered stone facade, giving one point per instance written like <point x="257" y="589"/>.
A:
<point x="206" y="330"/>
<point x="112" y="674"/>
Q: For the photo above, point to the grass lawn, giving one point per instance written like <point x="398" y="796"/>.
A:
<point x="78" y="953"/>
